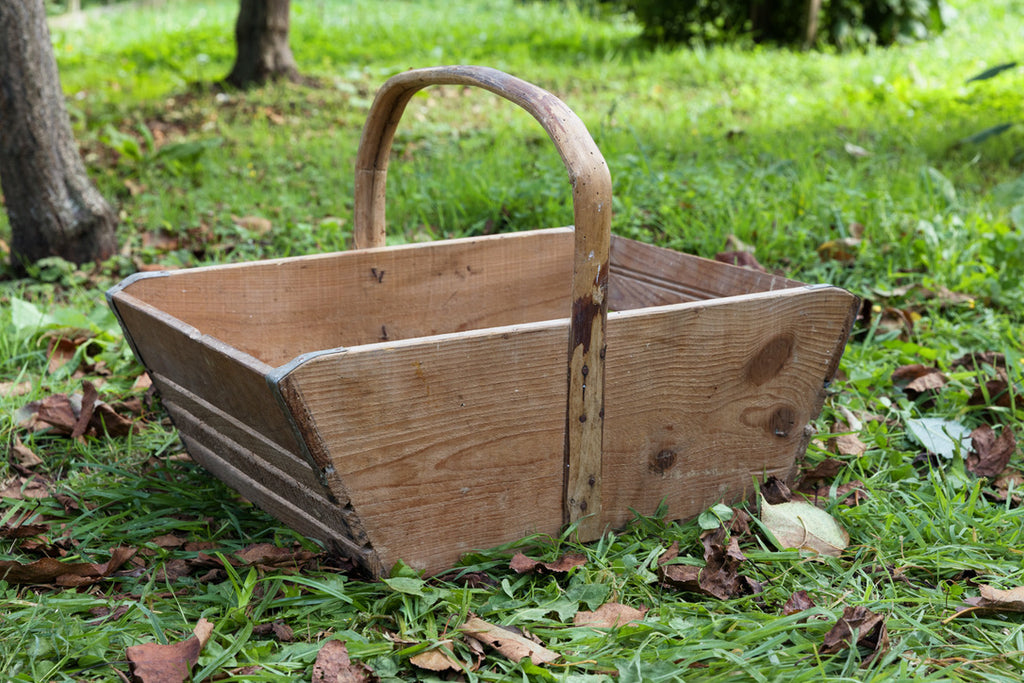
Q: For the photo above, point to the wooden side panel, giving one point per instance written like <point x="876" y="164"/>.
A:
<point x="279" y="309"/>
<point x="446" y="445"/>
<point x="643" y="275"/>
<point x="273" y="479"/>
<point x="704" y="398"/>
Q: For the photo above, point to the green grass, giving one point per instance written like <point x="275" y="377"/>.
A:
<point x="702" y="144"/>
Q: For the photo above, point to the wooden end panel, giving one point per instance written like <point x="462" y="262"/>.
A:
<point x="206" y="367"/>
<point x="280" y="309"/>
<point x="446" y="446"/>
<point x="644" y="275"/>
<point x="705" y="399"/>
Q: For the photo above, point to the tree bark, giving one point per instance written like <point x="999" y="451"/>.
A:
<point x="261" y="39"/>
<point x="53" y="208"/>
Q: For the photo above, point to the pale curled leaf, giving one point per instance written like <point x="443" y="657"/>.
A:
<point x="435" y="660"/>
<point x="609" y="615"/>
<point x="507" y="642"/>
<point x="805" y="527"/>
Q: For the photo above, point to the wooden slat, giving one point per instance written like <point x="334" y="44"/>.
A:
<point x="276" y="310"/>
<point x="209" y="452"/>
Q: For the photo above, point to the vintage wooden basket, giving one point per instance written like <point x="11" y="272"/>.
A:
<point x="418" y="402"/>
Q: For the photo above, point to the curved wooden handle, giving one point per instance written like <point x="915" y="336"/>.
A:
<point x="592" y="210"/>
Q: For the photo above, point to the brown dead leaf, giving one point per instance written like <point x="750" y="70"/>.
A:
<point x="171" y="663"/>
<point x="24" y="455"/>
<point x="826" y="470"/>
<point x="11" y="389"/>
<point x="49" y="571"/>
<point x="609" y="615"/>
<point x="870" y="632"/>
<point x="74" y="415"/>
<point x="917" y="379"/>
<point x="990" y="454"/>
<point x="992" y="599"/>
<point x="61" y="351"/>
<point x="435" y="659"/>
<point x="798" y="602"/>
<point x="718" y="578"/>
<point x="843" y="249"/>
<point x="851" y="494"/>
<point x="995" y="392"/>
<point x="976" y="359"/>
<point x="521" y="564"/>
<point x="280" y="630"/>
<point x="268" y="555"/>
<point x="22" y="488"/>
<point x="776" y="491"/>
<point x="333" y="665"/>
<point x="998" y="599"/>
<point x="22" y="530"/>
<point x="257" y="224"/>
<point x="1010" y="479"/>
<point x="510" y="644"/>
<point x="743" y="259"/>
<point x="850" y="444"/>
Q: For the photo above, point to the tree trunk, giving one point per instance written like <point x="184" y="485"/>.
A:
<point x="54" y="209"/>
<point x="261" y="39"/>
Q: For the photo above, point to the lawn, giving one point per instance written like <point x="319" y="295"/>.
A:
<point x="865" y="170"/>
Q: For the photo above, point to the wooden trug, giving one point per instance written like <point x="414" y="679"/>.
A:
<point x="421" y="401"/>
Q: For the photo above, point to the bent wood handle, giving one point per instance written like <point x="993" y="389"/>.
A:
<point x="592" y="208"/>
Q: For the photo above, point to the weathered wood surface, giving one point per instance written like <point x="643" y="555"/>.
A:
<point x="457" y="438"/>
<point x="592" y="211"/>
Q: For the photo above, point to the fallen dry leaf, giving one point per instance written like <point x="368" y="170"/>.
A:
<point x="268" y="555"/>
<point x="870" y="633"/>
<point x="435" y="659"/>
<point x="744" y="259"/>
<point x="918" y="379"/>
<point x="850" y="444"/>
<point x="22" y="531"/>
<point x="609" y="615"/>
<point x="21" y="487"/>
<point x="995" y="393"/>
<point x="843" y="249"/>
<point x="510" y="644"/>
<point x="333" y="666"/>
<point x="280" y="630"/>
<point x="798" y="602"/>
<point x="990" y="454"/>
<point x="74" y="415"/>
<point x="11" y="389"/>
<point x="171" y="663"/>
<point x="718" y="578"/>
<point x="1009" y="480"/>
<point x="775" y="491"/>
<point x="521" y="564"/>
<point x="25" y="456"/>
<point x="71" y="574"/>
<point x="257" y="224"/>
